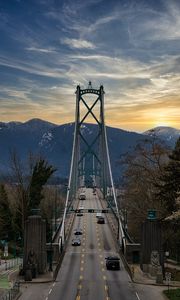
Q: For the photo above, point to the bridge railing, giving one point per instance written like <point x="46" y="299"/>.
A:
<point x="12" y="293"/>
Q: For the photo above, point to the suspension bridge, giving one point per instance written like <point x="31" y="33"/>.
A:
<point x="90" y="162"/>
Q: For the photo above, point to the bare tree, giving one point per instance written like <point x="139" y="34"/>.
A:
<point x="143" y="168"/>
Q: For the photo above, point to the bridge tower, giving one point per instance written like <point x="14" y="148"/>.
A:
<point x="91" y="166"/>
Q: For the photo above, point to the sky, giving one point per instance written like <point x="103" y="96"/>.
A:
<point x="131" y="47"/>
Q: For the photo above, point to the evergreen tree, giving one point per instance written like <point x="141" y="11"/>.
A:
<point x="41" y="173"/>
<point x="5" y="215"/>
<point x="169" y="186"/>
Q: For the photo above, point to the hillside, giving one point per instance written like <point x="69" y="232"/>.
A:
<point x="54" y="142"/>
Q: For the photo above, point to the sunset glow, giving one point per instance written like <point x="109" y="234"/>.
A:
<point x="131" y="47"/>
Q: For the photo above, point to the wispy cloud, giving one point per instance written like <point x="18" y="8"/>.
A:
<point x="78" y="43"/>
<point x="154" y="25"/>
<point x="32" y="68"/>
<point x="40" y="50"/>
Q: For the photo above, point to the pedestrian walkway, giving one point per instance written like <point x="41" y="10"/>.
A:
<point x="138" y="276"/>
<point x="43" y="278"/>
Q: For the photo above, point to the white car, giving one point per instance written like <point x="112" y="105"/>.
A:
<point x="99" y="215"/>
<point x="82" y="196"/>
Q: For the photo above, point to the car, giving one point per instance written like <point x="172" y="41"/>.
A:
<point x="79" y="214"/>
<point x="100" y="220"/>
<point x="112" y="263"/>
<point x="98" y="215"/>
<point x="76" y="242"/>
<point x="78" y="231"/>
<point x="82" y="196"/>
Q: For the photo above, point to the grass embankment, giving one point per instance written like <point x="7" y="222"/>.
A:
<point x="4" y="282"/>
<point x="172" y="294"/>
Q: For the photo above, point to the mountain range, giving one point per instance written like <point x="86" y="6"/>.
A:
<point x="54" y="142"/>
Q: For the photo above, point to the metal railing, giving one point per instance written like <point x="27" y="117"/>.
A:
<point x="12" y="293"/>
<point x="10" y="264"/>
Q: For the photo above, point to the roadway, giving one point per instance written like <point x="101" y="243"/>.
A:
<point x="83" y="274"/>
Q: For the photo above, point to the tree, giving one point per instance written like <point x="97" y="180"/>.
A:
<point x="5" y="215"/>
<point x="41" y="173"/>
<point x="28" y="184"/>
<point x="169" y="181"/>
<point x="20" y="183"/>
<point x="143" y="167"/>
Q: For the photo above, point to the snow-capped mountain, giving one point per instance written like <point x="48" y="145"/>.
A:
<point x="168" y="134"/>
<point x="54" y="142"/>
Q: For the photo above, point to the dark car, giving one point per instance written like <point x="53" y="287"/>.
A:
<point x="113" y="263"/>
<point x="78" y="231"/>
<point x="79" y="214"/>
<point x="100" y="220"/>
<point x="76" y="242"/>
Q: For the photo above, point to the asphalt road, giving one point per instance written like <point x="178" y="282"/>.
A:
<point x="83" y="274"/>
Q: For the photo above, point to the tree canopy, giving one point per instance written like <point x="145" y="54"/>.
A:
<point x="5" y="215"/>
<point x="169" y="181"/>
<point x="40" y="175"/>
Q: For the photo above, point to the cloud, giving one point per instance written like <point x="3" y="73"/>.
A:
<point x="152" y="25"/>
<point x="32" y="68"/>
<point x="78" y="43"/>
<point x="40" y="50"/>
<point x="131" y="47"/>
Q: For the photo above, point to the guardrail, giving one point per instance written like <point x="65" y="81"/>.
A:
<point x="11" y="263"/>
<point x="12" y="293"/>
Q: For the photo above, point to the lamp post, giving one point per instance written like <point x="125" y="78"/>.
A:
<point x="51" y="248"/>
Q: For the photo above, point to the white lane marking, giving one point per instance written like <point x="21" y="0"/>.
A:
<point x="129" y="277"/>
<point x="137" y="296"/>
<point x="54" y="284"/>
<point x="50" y="291"/>
<point x="46" y="298"/>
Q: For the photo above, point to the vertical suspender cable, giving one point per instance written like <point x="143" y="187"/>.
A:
<point x="122" y="236"/>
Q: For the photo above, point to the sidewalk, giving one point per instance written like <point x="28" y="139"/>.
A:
<point x="143" y="278"/>
<point x="42" y="278"/>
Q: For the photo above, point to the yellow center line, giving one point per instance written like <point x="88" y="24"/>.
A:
<point x="80" y="286"/>
<point x="80" y="277"/>
<point x="106" y="288"/>
<point x="78" y="297"/>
